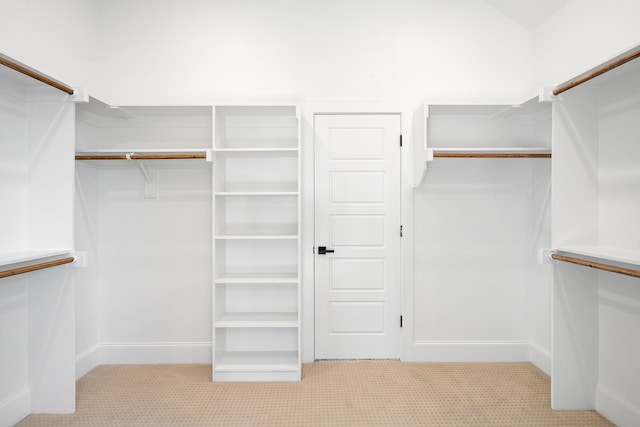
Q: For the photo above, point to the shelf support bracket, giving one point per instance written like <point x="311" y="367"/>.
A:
<point x="150" y="178"/>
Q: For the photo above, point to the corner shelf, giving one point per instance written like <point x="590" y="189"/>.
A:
<point x="480" y="131"/>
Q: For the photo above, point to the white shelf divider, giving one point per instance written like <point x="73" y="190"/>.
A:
<point x="258" y="278"/>
<point x="258" y="320"/>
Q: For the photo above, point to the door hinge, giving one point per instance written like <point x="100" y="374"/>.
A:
<point x="401" y="231"/>
<point x="401" y="321"/>
<point x="400" y="140"/>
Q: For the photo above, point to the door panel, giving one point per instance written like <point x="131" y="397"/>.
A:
<point x="357" y="201"/>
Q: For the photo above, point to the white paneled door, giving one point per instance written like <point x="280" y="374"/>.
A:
<point x="357" y="236"/>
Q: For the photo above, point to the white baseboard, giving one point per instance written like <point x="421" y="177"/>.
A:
<point x="470" y="351"/>
<point x="15" y="408"/>
<point x="616" y="408"/>
<point x="148" y="353"/>
<point x="87" y="360"/>
<point x="541" y="357"/>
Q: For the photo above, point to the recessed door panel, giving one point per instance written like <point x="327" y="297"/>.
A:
<point x="357" y="317"/>
<point x="348" y="274"/>
<point x="357" y="187"/>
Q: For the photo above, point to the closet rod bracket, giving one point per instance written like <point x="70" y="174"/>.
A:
<point x="544" y="256"/>
<point x="81" y="259"/>
<point x="150" y="178"/>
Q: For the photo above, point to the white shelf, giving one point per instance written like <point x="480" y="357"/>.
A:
<point x="256" y="193"/>
<point x="258" y="278"/>
<point x="177" y="152"/>
<point x="603" y="253"/>
<point x="258" y="361"/>
<point x="257" y="151"/>
<point x="145" y="151"/>
<point x="8" y="258"/>
<point x="493" y="150"/>
<point x="258" y="320"/>
<point x="258" y="237"/>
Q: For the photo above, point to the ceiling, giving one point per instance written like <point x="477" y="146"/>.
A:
<point x="529" y="13"/>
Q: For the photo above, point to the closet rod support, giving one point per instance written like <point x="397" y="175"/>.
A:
<point x="23" y="69"/>
<point x="142" y="168"/>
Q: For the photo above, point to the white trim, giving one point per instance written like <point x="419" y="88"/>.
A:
<point x="616" y="408"/>
<point x="470" y="351"/>
<point x="134" y="353"/>
<point x="15" y="407"/>
<point x="541" y="357"/>
<point x="87" y="360"/>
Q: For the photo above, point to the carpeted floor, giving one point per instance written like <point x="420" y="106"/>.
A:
<point x="345" y="393"/>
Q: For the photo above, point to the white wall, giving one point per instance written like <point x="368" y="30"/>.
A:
<point x="582" y="35"/>
<point x="200" y="51"/>
<point x="54" y="37"/>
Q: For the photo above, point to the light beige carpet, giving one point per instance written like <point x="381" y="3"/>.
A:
<point x="351" y="393"/>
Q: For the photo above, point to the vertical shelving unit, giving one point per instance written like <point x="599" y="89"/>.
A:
<point x="37" y="309"/>
<point x="595" y="206"/>
<point x="256" y="322"/>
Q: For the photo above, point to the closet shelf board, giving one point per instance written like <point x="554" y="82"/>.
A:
<point x="492" y="152"/>
<point x="258" y="278"/>
<point x="257" y="237"/>
<point x="258" y="320"/>
<point x="16" y="257"/>
<point x="263" y="152"/>
<point x="602" y="253"/>
<point x="258" y="361"/>
<point x="256" y="193"/>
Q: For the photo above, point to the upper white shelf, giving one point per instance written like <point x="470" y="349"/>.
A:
<point x="144" y="154"/>
<point x="480" y="131"/>
<point x="602" y="253"/>
<point x="16" y="257"/>
<point x="497" y="152"/>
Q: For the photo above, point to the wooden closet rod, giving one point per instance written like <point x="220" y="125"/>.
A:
<point x="598" y="265"/>
<point x="35" y="75"/>
<point x="598" y="71"/>
<point x="34" y="267"/>
<point x="133" y="156"/>
<point x="494" y="155"/>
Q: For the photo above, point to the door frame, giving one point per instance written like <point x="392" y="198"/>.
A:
<point x="309" y="111"/>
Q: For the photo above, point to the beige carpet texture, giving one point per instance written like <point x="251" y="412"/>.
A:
<point x="331" y="393"/>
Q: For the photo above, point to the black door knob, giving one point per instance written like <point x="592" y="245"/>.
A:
<point x="323" y="250"/>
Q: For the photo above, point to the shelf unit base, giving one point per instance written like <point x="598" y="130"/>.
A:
<point x="257" y="366"/>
